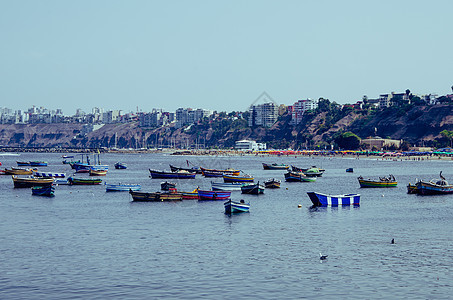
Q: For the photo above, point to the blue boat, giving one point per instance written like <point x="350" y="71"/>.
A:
<point x="122" y="187"/>
<point x="38" y="163"/>
<point x="120" y="165"/>
<point x="213" y="195"/>
<point x="236" y="207"/>
<point x="350" y="170"/>
<point x="48" y="191"/>
<point x="226" y="186"/>
<point x="320" y="199"/>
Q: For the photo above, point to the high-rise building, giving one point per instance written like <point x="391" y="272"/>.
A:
<point x="265" y="114"/>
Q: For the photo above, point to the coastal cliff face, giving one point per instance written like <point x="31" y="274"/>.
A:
<point x="412" y="124"/>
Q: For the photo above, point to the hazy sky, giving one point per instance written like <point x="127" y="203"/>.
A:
<point x="219" y="55"/>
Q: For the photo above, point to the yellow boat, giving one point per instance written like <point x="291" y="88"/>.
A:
<point x="30" y="181"/>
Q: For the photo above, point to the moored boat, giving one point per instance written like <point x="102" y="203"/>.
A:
<point x="213" y="195"/>
<point x="120" y="166"/>
<point x="38" y="163"/>
<point x="411" y="188"/>
<point x="97" y="172"/>
<point x="30" y="181"/>
<point x="292" y="176"/>
<point x="190" y="195"/>
<point x="19" y="171"/>
<point x="155" y="197"/>
<point x="313" y="172"/>
<point x="297" y="169"/>
<point x="207" y="172"/>
<point x="121" y="187"/>
<point x="236" y="207"/>
<point x="166" y="185"/>
<point x="49" y="174"/>
<point x="350" y="170"/>
<point x="252" y="188"/>
<point x="242" y="178"/>
<point x="383" y="182"/>
<point x="174" y="175"/>
<point x="272" y="183"/>
<point x="226" y="186"/>
<point x="434" y="187"/>
<point x="46" y="190"/>
<point x="22" y="163"/>
<point x="84" y="181"/>
<point x="275" y="166"/>
<point x="320" y="199"/>
<point x="191" y="170"/>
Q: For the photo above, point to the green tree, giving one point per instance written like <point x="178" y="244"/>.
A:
<point x="348" y="141"/>
<point x="448" y="135"/>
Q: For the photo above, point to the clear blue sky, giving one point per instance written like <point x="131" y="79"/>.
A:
<point x="219" y="55"/>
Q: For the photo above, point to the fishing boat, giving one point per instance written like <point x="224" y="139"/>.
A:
<point x="166" y="185"/>
<point x="173" y="175"/>
<point x="67" y="156"/>
<point x="226" y="186"/>
<point x="190" y="195"/>
<point x="292" y="176"/>
<point x="350" y="170"/>
<point x="121" y="187"/>
<point x="30" y="181"/>
<point x="243" y="178"/>
<point x="46" y="190"/>
<point x="214" y="172"/>
<point x="236" y="207"/>
<point x="297" y="169"/>
<point x="382" y="182"/>
<point x="49" y="174"/>
<point x="190" y="170"/>
<point x="69" y="162"/>
<point x="313" y="172"/>
<point x="434" y="187"/>
<point x="22" y="163"/>
<point x="272" y="183"/>
<point x="120" y="166"/>
<point x="252" y="188"/>
<point x="19" y="171"/>
<point x="155" y="197"/>
<point x="84" y="181"/>
<point x="319" y="199"/>
<point x="38" y="163"/>
<point x="98" y="172"/>
<point x="80" y="167"/>
<point x="213" y="195"/>
<point x="275" y="166"/>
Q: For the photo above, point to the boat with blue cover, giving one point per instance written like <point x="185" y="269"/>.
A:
<point x="236" y="207"/>
<point x="47" y="190"/>
<point x="320" y="199"/>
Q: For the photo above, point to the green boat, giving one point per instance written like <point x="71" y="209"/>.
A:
<point x="382" y="182"/>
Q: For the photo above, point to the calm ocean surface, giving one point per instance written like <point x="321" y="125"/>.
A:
<point x="85" y="243"/>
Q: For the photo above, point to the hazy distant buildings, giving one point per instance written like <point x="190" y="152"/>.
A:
<point x="265" y="114"/>
<point x="186" y="116"/>
<point x="300" y="107"/>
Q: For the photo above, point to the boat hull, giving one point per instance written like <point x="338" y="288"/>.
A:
<point x="272" y="184"/>
<point x="275" y="167"/>
<point x="84" y="181"/>
<point x="319" y="199"/>
<point x="171" y="175"/>
<point x="122" y="187"/>
<point x="377" y="184"/>
<point x="226" y="186"/>
<point x="213" y="195"/>
<point x="429" y="188"/>
<point x="27" y="182"/>
<point x="254" y="189"/>
<point x="155" y="197"/>
<point x="47" y="191"/>
<point x="232" y="178"/>
<point x="232" y="207"/>
<point x="214" y="172"/>
<point x="49" y="174"/>
<point x="298" y="177"/>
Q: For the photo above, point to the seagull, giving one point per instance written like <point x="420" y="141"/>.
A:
<point x="393" y="241"/>
<point x="322" y="257"/>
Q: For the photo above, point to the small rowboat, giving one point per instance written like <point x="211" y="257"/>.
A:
<point x="236" y="207"/>
<point x="219" y="173"/>
<point x="191" y="170"/>
<point x="292" y="176"/>
<point x="155" y="197"/>
<point x="97" y="172"/>
<point x="213" y="195"/>
<point x="272" y="183"/>
<point x="383" y="182"/>
<point x="166" y="185"/>
<point x="120" y="166"/>
<point x="252" y="188"/>
<point x="319" y="199"/>
<point x="121" y="187"/>
<point x="171" y="175"/>
<point x="49" y="174"/>
<point x="226" y="186"/>
<point x="275" y="166"/>
<point x="47" y="190"/>
<point x="19" y="171"/>
<point x="232" y="178"/>
<point x="350" y="170"/>
<point x="84" y="181"/>
<point x="22" y="163"/>
<point x="30" y="181"/>
<point x="38" y="163"/>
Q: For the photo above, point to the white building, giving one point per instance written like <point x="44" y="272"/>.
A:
<point x="300" y="107"/>
<point x="248" y="145"/>
<point x="265" y="114"/>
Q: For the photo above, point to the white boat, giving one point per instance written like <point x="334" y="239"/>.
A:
<point x="226" y="186"/>
<point x="49" y="174"/>
<point x="61" y="181"/>
<point x="236" y="207"/>
<point x="121" y="187"/>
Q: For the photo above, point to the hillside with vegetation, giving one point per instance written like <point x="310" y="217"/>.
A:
<point x="329" y="125"/>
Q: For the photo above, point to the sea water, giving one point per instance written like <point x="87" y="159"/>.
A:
<point x="86" y="243"/>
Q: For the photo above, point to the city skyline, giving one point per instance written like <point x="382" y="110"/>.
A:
<point x="218" y="55"/>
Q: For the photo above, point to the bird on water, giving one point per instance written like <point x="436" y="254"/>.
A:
<point x="393" y="241"/>
<point x="322" y="257"/>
